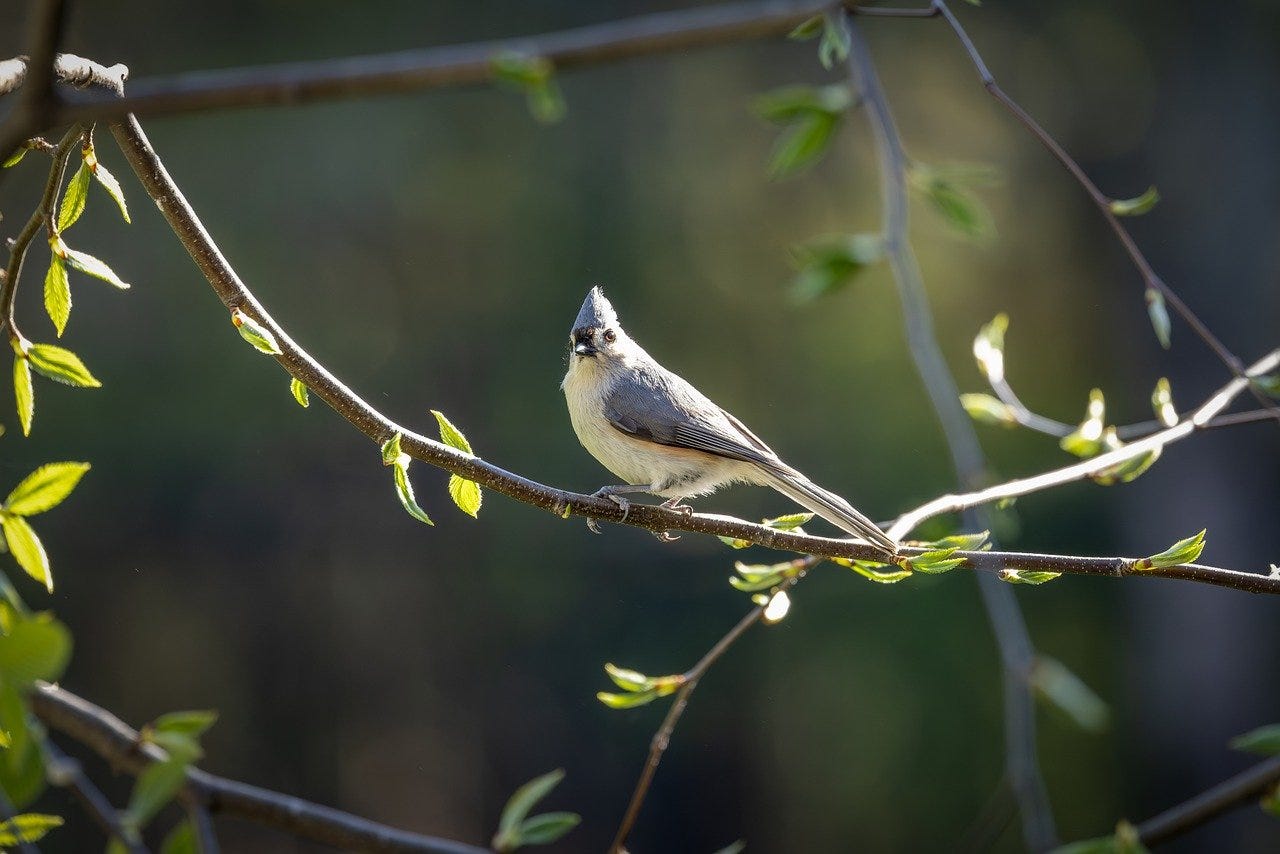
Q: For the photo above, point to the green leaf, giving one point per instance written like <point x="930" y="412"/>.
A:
<point x="1270" y="803"/>
<point x="517" y="809"/>
<point x="22" y="774"/>
<point x="548" y="827"/>
<point x="44" y="488"/>
<point x="789" y="104"/>
<point x="830" y="263"/>
<point x="628" y="680"/>
<point x="1183" y="551"/>
<point x="87" y="264"/>
<point x="26" y="549"/>
<point x="181" y="840"/>
<point x="57" y="293"/>
<point x="1162" y="403"/>
<point x="451" y="435"/>
<point x="734" y="543"/>
<point x="1054" y="683"/>
<point x="37" y="647"/>
<point x="28" y="827"/>
<point x="1159" y="316"/>
<point x="255" y="333"/>
<point x="753" y="577"/>
<point x="112" y="186"/>
<point x="628" y="700"/>
<point x="23" y="393"/>
<point x="16" y="158"/>
<point x="961" y="210"/>
<point x="155" y="787"/>
<point x="809" y="29"/>
<point x="466" y="494"/>
<point x="962" y="542"/>
<point x="801" y="145"/>
<point x="1124" y="841"/>
<point x="535" y="76"/>
<point x="404" y="490"/>
<point x="1087" y="439"/>
<point x="789" y="522"/>
<point x="1027" y="576"/>
<point x="1137" y="205"/>
<point x="986" y="409"/>
<point x="391" y="453"/>
<point x="193" y="723"/>
<point x="74" y="199"/>
<point x="60" y="364"/>
<point x="988" y="348"/>
<point x="180" y="746"/>
<point x="1264" y="740"/>
<point x="834" y="47"/>
<point x="299" y="391"/>
<point x="1127" y="470"/>
<point x="1267" y="383"/>
<point x="870" y="570"/>
<point x="933" y="562"/>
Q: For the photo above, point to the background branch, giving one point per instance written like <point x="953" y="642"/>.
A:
<point x="119" y="744"/>
<point x="64" y="771"/>
<point x="1245" y="786"/>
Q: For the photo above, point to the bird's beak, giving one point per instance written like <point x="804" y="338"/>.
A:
<point x="584" y="348"/>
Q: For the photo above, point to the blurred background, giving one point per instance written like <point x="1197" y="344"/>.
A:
<point x="232" y="550"/>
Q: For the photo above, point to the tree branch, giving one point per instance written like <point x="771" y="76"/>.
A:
<point x="1155" y="443"/>
<point x="1012" y="639"/>
<point x="1208" y="805"/>
<point x="64" y="771"/>
<point x="119" y="744"/>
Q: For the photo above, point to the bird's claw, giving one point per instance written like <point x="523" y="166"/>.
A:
<point x="674" y="504"/>
<point x="666" y="536"/>
<point x="593" y="527"/>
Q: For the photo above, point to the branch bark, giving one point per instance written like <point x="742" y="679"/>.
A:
<point x="1227" y="795"/>
<point x="118" y="743"/>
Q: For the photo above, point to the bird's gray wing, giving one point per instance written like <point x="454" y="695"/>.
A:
<point x="661" y="407"/>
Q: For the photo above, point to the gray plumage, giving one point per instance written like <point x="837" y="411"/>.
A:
<point x="661" y="435"/>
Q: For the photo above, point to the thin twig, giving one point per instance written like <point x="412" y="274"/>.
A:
<point x="1100" y="200"/>
<point x="662" y="738"/>
<point x="1012" y="639"/>
<point x="1227" y="795"/>
<point x="302" y="366"/>
<point x="41" y="217"/>
<point x="1155" y="443"/>
<point x="64" y="771"/>
<point x="118" y="743"/>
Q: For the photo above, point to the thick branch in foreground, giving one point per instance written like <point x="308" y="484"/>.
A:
<point x="302" y="366"/>
<point x="118" y="743"/>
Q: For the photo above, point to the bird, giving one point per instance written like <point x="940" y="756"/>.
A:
<point x="662" y="436"/>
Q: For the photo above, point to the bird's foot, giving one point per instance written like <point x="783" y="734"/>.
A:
<point x="666" y="536"/>
<point x="593" y="527"/>
<point x="674" y="504"/>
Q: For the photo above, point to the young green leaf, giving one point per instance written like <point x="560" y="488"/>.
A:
<point x="1162" y="403"/>
<point x="535" y="76"/>
<point x="1264" y="740"/>
<point x="986" y="409"/>
<point x="807" y="29"/>
<point x="830" y="263"/>
<point x="57" y="293"/>
<point x="801" y="145"/>
<point x="299" y="391"/>
<point x="789" y="522"/>
<point x="1136" y="206"/>
<point x="1054" y="683"/>
<point x="451" y="435"/>
<point x="155" y="787"/>
<point x="548" y="827"/>
<point x="23" y="393"/>
<point x="1183" y="551"/>
<point x="27" y="549"/>
<point x="1127" y="470"/>
<point x="28" y="827"/>
<point x="1027" y="576"/>
<point x="16" y="158"/>
<point x="777" y="608"/>
<point x="962" y="542"/>
<point x="91" y="266"/>
<point x="404" y="490"/>
<point x="871" y="571"/>
<point x="988" y="348"/>
<point x="1087" y="439"/>
<point x="788" y="104"/>
<point x="255" y="333"/>
<point x="466" y="494"/>
<point x="112" y="186"/>
<point x="934" y="562"/>
<point x="60" y="364"/>
<point x="735" y="543"/>
<point x="181" y="840"/>
<point x="628" y="680"/>
<point x="391" y="453"/>
<point x="961" y="210"/>
<point x="517" y="809"/>
<point x="1159" y="316"/>
<point x="44" y="488"/>
<point x="193" y="723"/>
<point x="74" y="199"/>
<point x="627" y="701"/>
<point x="36" y="648"/>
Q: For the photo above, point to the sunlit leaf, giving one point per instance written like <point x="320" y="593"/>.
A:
<point x="112" y="186"/>
<point x="255" y="333"/>
<point x="23" y="393"/>
<point x="299" y="391"/>
<point x="28" y="827"/>
<point x="1137" y="205"/>
<point x="1162" y="403"/>
<point x="834" y="46"/>
<point x="1183" y="551"/>
<point x="57" y="293"/>
<point x="986" y="409"/>
<point x="36" y="648"/>
<point x="1127" y="470"/>
<point x="91" y="266"/>
<point x="1054" y="683"/>
<point x="961" y="542"/>
<point x="194" y="722"/>
<point x="27" y="549"/>
<point x="778" y="607"/>
<point x="548" y="827"/>
<point x="404" y="490"/>
<point x="628" y="680"/>
<point x="988" y="348"/>
<point x="789" y="522"/>
<point x="871" y="571"/>
<point x="933" y="562"/>
<point x="1027" y="576"/>
<point x="60" y="364"/>
<point x="1159" y="315"/>
<point x="628" y="700"/>
<point x="391" y="452"/>
<point x="73" y="200"/>
<point x="1087" y="439"/>
<point x="44" y="488"/>
<point x="15" y="158"/>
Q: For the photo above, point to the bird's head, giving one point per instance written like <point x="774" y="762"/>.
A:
<point x="596" y="333"/>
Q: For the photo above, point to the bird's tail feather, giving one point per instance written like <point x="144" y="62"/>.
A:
<point x="829" y="506"/>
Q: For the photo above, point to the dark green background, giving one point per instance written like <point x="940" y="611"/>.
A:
<point x="232" y="550"/>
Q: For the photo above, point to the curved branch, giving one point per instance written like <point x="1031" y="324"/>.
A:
<point x="1227" y="795"/>
<point x="64" y="771"/>
<point x="118" y="743"/>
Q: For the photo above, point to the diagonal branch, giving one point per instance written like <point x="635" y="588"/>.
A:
<point x="119" y="744"/>
<point x="1229" y="794"/>
<point x="1016" y="651"/>
<point x="64" y="771"/>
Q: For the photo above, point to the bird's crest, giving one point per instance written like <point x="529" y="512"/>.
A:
<point x="596" y="312"/>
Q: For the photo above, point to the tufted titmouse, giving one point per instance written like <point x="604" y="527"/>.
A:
<point x="662" y="436"/>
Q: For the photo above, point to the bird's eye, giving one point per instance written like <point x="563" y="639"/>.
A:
<point x="609" y="335"/>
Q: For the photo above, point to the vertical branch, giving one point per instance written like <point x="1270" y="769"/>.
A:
<point x="1016" y="651"/>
